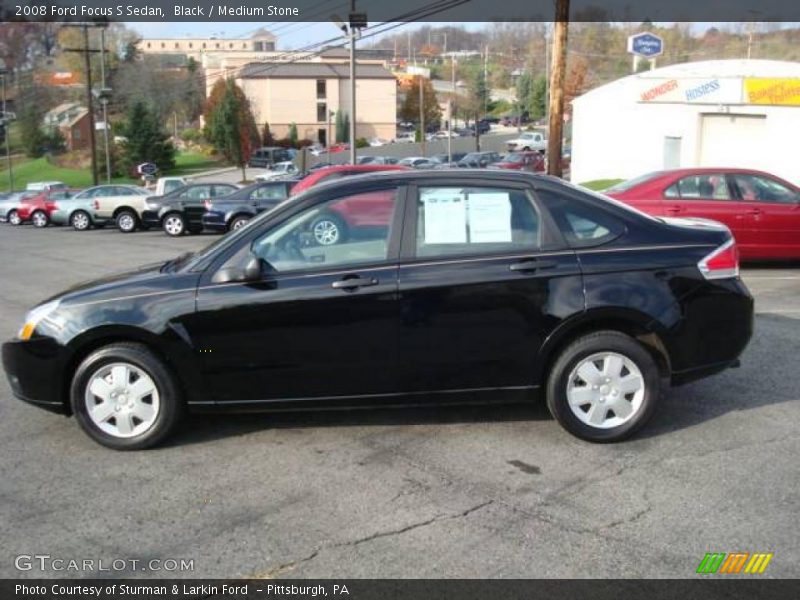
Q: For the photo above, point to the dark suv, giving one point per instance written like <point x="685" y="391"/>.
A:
<point x="268" y="156"/>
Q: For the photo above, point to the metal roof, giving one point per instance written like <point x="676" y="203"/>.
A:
<point x="311" y="70"/>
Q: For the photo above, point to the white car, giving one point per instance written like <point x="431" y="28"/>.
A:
<point x="44" y="186"/>
<point x="528" y="140"/>
<point x="279" y="171"/>
<point x="378" y="142"/>
<point x="316" y="149"/>
<point x="408" y="137"/>
<point x="444" y="134"/>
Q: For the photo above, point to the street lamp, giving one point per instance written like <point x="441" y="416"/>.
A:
<point x="6" y="122"/>
<point x="357" y="21"/>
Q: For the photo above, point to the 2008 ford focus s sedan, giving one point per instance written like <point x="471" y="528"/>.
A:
<point x="471" y="286"/>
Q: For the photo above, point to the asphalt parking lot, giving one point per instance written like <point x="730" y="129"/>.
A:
<point x="434" y="492"/>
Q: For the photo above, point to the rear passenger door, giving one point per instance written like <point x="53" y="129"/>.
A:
<point x="705" y="195"/>
<point x="484" y="277"/>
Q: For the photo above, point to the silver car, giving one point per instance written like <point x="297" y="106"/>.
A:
<point x="9" y="206"/>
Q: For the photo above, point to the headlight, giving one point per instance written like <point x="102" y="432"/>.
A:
<point x="34" y="317"/>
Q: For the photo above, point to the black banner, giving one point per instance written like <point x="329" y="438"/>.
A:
<point x="391" y="10"/>
<point x="734" y="588"/>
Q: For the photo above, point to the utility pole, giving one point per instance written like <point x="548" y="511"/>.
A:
<point x="89" y="98"/>
<point x="352" y="84"/>
<point x="452" y="111"/>
<point x="104" y="102"/>
<point x="421" y="114"/>
<point x="557" y="79"/>
<point x="7" y="127"/>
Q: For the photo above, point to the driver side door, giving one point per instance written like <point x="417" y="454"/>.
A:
<point x="321" y="322"/>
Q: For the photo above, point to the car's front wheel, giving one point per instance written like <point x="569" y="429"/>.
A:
<point x="125" y="398"/>
<point x="80" y="220"/>
<point x="14" y="218"/>
<point x="174" y="225"/>
<point x="39" y="219"/>
<point x="603" y="387"/>
<point x="127" y="221"/>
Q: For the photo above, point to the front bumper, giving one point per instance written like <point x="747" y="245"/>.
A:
<point x="150" y="218"/>
<point x="34" y="370"/>
<point x="215" y="221"/>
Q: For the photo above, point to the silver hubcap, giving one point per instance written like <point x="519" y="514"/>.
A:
<point x="239" y="224"/>
<point x="39" y="220"/>
<point x="14" y="218"/>
<point x="173" y="225"/>
<point x="126" y="222"/>
<point x="80" y="221"/>
<point x="326" y="233"/>
<point x="122" y="400"/>
<point x="605" y="390"/>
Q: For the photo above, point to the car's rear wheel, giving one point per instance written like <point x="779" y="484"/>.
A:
<point x="39" y="219"/>
<point x="238" y="223"/>
<point x="80" y="220"/>
<point x="174" y="224"/>
<point x="14" y="218"/>
<point x="125" y="398"/>
<point x="603" y="387"/>
<point x="127" y="221"/>
<point x="328" y="230"/>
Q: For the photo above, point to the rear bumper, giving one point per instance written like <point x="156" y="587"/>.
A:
<point x="34" y="372"/>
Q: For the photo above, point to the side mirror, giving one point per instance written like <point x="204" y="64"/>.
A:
<point x="250" y="271"/>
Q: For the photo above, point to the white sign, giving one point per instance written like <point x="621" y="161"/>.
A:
<point x="489" y="218"/>
<point x="445" y="217"/>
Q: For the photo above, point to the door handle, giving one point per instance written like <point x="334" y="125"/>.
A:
<point x="674" y="210"/>
<point x="533" y="264"/>
<point x="354" y="283"/>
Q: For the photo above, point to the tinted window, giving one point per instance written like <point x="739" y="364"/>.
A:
<point x="470" y="220"/>
<point x="348" y="230"/>
<point x="269" y="192"/>
<point x="581" y="223"/>
<point x="199" y="192"/>
<point x="221" y="190"/>
<point x="764" y="189"/>
<point x="706" y="186"/>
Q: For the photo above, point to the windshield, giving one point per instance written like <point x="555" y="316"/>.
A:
<point x="624" y="186"/>
<point x="515" y="158"/>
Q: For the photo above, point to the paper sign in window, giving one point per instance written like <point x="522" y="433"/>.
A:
<point x="489" y="218"/>
<point x="445" y="218"/>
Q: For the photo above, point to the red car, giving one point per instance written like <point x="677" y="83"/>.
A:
<point x="527" y="160"/>
<point x="38" y="208"/>
<point x="337" y="171"/>
<point x="762" y="210"/>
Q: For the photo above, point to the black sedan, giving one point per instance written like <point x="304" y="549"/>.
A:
<point x="467" y="286"/>
<point x="479" y="160"/>
<point x="233" y="211"/>
<point x="182" y="209"/>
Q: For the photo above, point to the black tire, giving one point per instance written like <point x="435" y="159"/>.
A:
<point x="170" y="405"/>
<point x="238" y="222"/>
<point x="13" y="218"/>
<point x="586" y="346"/>
<point x="127" y="221"/>
<point x="174" y="224"/>
<point x="40" y="219"/>
<point x="80" y="220"/>
<point x="328" y="222"/>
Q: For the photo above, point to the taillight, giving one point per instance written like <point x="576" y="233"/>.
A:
<point x="722" y="263"/>
<point x="97" y="205"/>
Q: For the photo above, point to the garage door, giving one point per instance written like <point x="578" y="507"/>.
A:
<point x="733" y="141"/>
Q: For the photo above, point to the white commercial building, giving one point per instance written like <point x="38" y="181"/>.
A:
<point x="726" y="113"/>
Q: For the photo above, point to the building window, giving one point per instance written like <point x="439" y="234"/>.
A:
<point x="217" y="44"/>
<point x="163" y="45"/>
<point x="190" y="44"/>
<point x="204" y="45"/>
<point x="244" y="46"/>
<point x="230" y="45"/>
<point x="321" y="88"/>
<point x="148" y="44"/>
<point x="177" y="45"/>
<point x="322" y="112"/>
<point x="258" y="46"/>
<point x="269" y="46"/>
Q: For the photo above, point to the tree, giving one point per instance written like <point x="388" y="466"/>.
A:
<point x="480" y="91"/>
<point x="267" y="139"/>
<point x="293" y="134"/>
<point x="30" y="126"/>
<point x="342" y="124"/>
<point x="230" y="125"/>
<point x="409" y="111"/>
<point x="146" y="140"/>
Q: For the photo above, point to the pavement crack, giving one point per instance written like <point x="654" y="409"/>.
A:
<point x="289" y="566"/>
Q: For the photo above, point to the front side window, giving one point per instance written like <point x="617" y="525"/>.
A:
<point x="269" y="192"/>
<point x="705" y="186"/>
<point x="343" y="232"/>
<point x="755" y="188"/>
<point x="475" y="220"/>
<point x="199" y="192"/>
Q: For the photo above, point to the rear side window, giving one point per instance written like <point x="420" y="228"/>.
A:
<point x="581" y="223"/>
<point x="455" y="221"/>
<point x="705" y="186"/>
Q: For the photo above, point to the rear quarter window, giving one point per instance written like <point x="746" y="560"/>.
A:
<point x="581" y="222"/>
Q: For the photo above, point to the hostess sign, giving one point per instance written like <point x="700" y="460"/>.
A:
<point x="646" y="45"/>
<point x="713" y="90"/>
